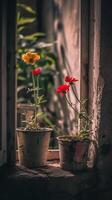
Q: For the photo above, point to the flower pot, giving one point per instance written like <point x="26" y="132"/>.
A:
<point x="73" y="153"/>
<point x="33" y="146"/>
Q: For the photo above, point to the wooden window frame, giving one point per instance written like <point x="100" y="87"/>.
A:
<point x="7" y="81"/>
<point x="11" y="82"/>
<point x="3" y="84"/>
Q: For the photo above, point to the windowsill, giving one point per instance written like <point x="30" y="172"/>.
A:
<point x="50" y="181"/>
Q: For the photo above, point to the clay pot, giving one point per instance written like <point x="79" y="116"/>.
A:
<point x="73" y="153"/>
<point x="33" y="146"/>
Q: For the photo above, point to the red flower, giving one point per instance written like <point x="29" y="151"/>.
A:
<point x="63" y="89"/>
<point x="70" y="79"/>
<point x="37" y="71"/>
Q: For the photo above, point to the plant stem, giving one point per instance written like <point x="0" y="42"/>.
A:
<point x="37" y="86"/>
<point x="70" y="103"/>
<point x="35" y="100"/>
<point x="85" y="117"/>
<point x="75" y="94"/>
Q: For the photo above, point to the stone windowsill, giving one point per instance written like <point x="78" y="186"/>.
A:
<point x="49" y="182"/>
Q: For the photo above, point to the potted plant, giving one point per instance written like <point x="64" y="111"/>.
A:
<point x="33" y="139"/>
<point x="73" y="149"/>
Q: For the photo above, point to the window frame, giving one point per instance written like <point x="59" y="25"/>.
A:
<point x="7" y="64"/>
<point x="3" y="84"/>
<point x="7" y="81"/>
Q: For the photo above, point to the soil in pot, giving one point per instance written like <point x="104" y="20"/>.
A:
<point x="33" y="146"/>
<point x="73" y="153"/>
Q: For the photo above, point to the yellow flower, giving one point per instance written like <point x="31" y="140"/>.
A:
<point x="30" y="58"/>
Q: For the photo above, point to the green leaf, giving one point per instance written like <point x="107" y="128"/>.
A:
<point x="30" y="90"/>
<point x="40" y="114"/>
<point x="21" y="78"/>
<point x="33" y="36"/>
<point x="48" y="121"/>
<point x="26" y="8"/>
<point x="45" y="44"/>
<point x="24" y="20"/>
<point x="18" y="16"/>
<point x="19" y="88"/>
<point x="19" y="29"/>
<point x="41" y="99"/>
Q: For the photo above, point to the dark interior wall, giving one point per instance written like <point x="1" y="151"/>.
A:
<point x="0" y="77"/>
<point x="106" y="70"/>
<point x="105" y="126"/>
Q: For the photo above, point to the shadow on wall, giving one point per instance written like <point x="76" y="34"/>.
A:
<point x="66" y="33"/>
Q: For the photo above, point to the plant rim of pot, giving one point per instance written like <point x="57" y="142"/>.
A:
<point x="40" y="129"/>
<point x="69" y="138"/>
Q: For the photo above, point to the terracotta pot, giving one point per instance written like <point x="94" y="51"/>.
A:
<point x="73" y="153"/>
<point x="33" y="146"/>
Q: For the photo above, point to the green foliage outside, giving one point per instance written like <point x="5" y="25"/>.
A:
<point x="26" y="42"/>
<point x="33" y="42"/>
